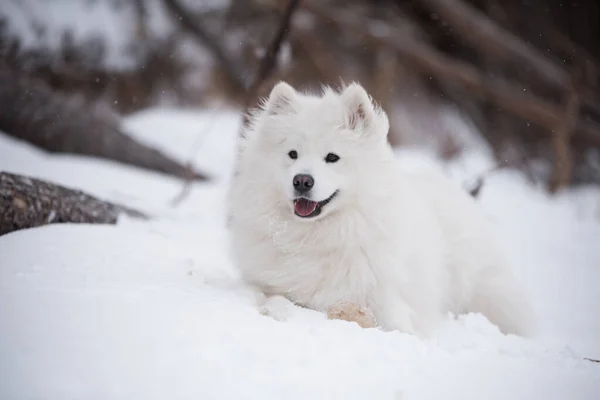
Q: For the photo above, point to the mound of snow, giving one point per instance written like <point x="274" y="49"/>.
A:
<point x="155" y="310"/>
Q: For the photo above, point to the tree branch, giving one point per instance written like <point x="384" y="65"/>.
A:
<point x="490" y="38"/>
<point x="563" y="160"/>
<point x="561" y="140"/>
<point x="487" y="36"/>
<point x="141" y="14"/>
<point x="268" y="62"/>
<point x="430" y="61"/>
<point x="230" y="67"/>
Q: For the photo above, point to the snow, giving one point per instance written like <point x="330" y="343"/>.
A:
<point x="155" y="310"/>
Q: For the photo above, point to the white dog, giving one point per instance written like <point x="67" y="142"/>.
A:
<point x="320" y="213"/>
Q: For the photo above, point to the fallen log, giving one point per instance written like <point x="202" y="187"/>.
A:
<point x="27" y="202"/>
<point x="32" y="112"/>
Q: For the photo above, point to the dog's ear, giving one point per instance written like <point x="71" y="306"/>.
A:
<point x="359" y="110"/>
<point x="362" y="114"/>
<point x="282" y="100"/>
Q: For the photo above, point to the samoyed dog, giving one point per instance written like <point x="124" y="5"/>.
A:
<point x="320" y="213"/>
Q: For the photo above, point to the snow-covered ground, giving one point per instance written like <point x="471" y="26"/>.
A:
<point x="155" y="310"/>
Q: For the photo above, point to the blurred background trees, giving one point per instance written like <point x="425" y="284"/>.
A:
<point x="524" y="73"/>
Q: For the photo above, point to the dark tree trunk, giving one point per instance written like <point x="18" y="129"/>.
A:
<point x="26" y="203"/>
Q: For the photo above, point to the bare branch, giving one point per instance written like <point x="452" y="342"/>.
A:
<point x="269" y="59"/>
<point x="430" y="61"/>
<point x="202" y="135"/>
<point x="561" y="140"/>
<point x="490" y="38"/>
<point x="487" y="36"/>
<point x="230" y="67"/>
<point x="141" y="14"/>
<point x="386" y="77"/>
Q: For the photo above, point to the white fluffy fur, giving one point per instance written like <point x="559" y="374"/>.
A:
<point x="411" y="248"/>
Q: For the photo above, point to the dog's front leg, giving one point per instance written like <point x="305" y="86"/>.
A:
<point x="277" y="307"/>
<point x="395" y="314"/>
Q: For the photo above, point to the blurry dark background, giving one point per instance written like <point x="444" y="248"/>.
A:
<point x="525" y="73"/>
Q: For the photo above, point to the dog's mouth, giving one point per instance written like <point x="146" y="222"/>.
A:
<point x="305" y="208"/>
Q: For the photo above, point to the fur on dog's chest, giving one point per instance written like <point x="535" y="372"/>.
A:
<point x="317" y="275"/>
<point x="315" y="264"/>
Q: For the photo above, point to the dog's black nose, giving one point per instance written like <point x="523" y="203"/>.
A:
<point x="303" y="183"/>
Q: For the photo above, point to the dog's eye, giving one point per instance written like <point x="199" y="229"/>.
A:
<point x="293" y="154"/>
<point x="332" y="158"/>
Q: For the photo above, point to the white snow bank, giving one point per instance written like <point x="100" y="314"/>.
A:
<point x="154" y="310"/>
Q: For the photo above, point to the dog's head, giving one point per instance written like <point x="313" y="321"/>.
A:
<point x="318" y="150"/>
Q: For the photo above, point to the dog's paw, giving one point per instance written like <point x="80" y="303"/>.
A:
<point x="347" y="311"/>
<point x="277" y="307"/>
<point x="398" y="317"/>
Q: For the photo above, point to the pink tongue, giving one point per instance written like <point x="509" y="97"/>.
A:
<point x="305" y="207"/>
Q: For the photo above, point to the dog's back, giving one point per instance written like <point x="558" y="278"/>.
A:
<point x="481" y="279"/>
